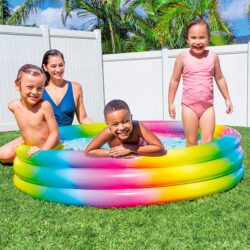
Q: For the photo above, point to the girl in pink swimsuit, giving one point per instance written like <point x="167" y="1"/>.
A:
<point x="198" y="67"/>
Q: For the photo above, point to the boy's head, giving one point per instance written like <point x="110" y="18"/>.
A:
<point x="30" y="82"/>
<point x="118" y="118"/>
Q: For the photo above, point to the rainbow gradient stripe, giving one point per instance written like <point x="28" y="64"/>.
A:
<point x="70" y="177"/>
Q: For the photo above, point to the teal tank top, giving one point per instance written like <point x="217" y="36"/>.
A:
<point x="65" y="110"/>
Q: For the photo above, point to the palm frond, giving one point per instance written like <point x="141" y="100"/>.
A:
<point x="22" y="13"/>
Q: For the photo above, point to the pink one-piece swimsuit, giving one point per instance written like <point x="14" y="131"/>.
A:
<point x="197" y="76"/>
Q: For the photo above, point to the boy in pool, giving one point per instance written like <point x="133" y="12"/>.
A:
<point x="34" y="116"/>
<point x="124" y="136"/>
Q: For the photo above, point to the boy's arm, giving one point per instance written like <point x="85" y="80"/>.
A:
<point x="174" y="83"/>
<point x="154" y="146"/>
<point x="52" y="139"/>
<point x="94" y="147"/>
<point x="222" y="84"/>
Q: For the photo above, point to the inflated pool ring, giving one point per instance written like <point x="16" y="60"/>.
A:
<point x="70" y="177"/>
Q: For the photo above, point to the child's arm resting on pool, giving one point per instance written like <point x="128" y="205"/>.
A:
<point x="94" y="147"/>
<point x="154" y="147"/>
<point x="52" y="139"/>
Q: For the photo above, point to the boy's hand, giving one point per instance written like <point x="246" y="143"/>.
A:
<point x="33" y="150"/>
<point x="229" y="106"/>
<point x="171" y="110"/>
<point x="119" y="151"/>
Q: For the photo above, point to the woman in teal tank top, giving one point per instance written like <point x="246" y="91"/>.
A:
<point x="65" y="97"/>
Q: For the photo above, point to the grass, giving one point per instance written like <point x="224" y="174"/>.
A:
<point x="221" y="221"/>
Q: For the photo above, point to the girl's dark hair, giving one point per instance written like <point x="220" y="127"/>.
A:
<point x="195" y="22"/>
<point x="52" y="52"/>
<point x="29" y="69"/>
<point x="115" y="105"/>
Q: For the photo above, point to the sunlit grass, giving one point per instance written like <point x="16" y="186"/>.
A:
<point x="221" y="221"/>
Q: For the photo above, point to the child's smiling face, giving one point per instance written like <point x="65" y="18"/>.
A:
<point x="198" y="39"/>
<point x="120" y="123"/>
<point x="31" y="88"/>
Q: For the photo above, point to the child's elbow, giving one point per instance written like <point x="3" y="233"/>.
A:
<point x="163" y="151"/>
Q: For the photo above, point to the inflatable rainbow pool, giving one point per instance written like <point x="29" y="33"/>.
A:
<point x="70" y="177"/>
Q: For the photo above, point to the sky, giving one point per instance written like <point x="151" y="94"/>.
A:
<point x="232" y="10"/>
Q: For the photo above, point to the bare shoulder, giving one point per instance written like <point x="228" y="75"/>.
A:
<point x="139" y="126"/>
<point x="77" y="89"/>
<point x="106" y="131"/>
<point x="13" y="105"/>
<point x="216" y="60"/>
<point x="76" y="86"/>
<point x="181" y="56"/>
<point x="213" y="55"/>
<point x="46" y="105"/>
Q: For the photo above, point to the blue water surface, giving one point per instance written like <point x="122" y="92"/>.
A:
<point x="81" y="143"/>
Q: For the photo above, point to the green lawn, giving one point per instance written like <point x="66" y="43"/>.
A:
<point x="221" y="221"/>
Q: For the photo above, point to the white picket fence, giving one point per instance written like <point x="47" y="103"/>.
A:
<point x="83" y="57"/>
<point x="141" y="79"/>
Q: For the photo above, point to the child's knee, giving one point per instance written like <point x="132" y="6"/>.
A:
<point x="7" y="156"/>
<point x="191" y="141"/>
<point x="206" y="139"/>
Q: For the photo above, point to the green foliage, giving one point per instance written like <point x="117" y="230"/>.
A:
<point x="139" y="25"/>
<point x="6" y="11"/>
<point x="174" y="16"/>
<point x="20" y="15"/>
<point x="134" y="25"/>
<point x="221" y="221"/>
<point x="109" y="16"/>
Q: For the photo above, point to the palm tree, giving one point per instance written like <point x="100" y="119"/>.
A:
<point x="6" y="11"/>
<point x="174" y="15"/>
<point x="108" y="15"/>
<point x="163" y="22"/>
<point x="22" y="13"/>
<point x="144" y="16"/>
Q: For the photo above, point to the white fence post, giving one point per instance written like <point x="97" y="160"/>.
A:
<point x="46" y="38"/>
<point x="165" y="82"/>
<point x="100" y="60"/>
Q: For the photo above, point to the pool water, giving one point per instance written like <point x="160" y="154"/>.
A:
<point x="169" y="142"/>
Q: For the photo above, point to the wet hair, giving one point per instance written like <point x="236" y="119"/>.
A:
<point x="29" y="69"/>
<point x="52" y="52"/>
<point x="197" y="22"/>
<point x="115" y="105"/>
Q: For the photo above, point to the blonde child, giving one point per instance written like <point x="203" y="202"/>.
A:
<point x="124" y="136"/>
<point x="198" y="67"/>
<point x="34" y="116"/>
